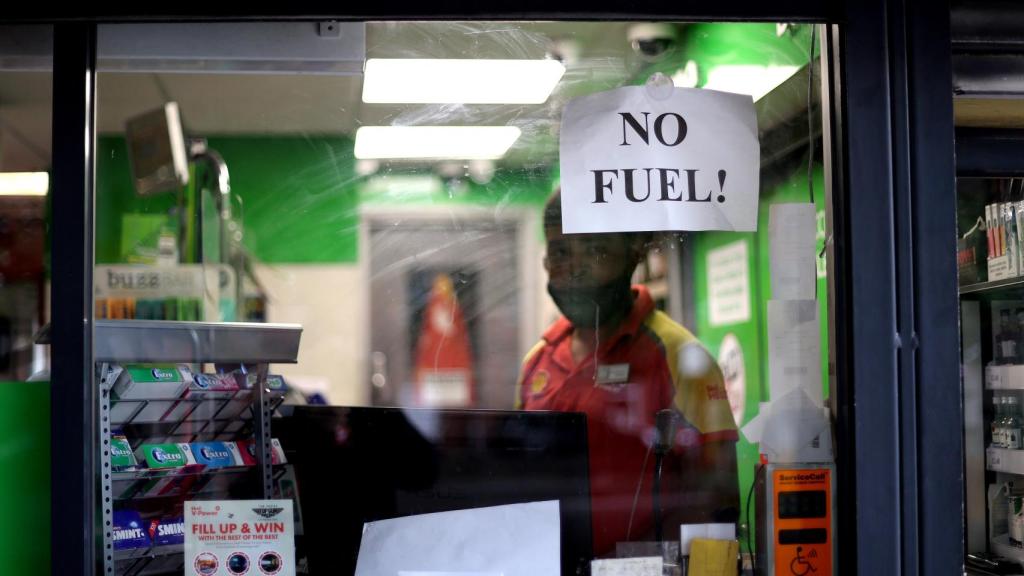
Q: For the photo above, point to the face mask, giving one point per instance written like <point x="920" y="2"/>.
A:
<point x="594" y="306"/>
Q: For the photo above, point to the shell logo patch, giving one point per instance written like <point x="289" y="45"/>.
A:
<point x="539" y="382"/>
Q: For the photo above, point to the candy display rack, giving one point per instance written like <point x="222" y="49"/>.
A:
<point x="240" y="415"/>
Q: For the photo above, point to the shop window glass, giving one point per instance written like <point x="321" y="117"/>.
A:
<point x="390" y="188"/>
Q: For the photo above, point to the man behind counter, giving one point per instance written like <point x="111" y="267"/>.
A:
<point x="615" y="357"/>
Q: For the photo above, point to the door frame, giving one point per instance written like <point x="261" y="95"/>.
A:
<point x="529" y="251"/>
<point x="893" y="248"/>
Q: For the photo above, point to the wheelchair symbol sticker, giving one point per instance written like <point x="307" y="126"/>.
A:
<point x="801" y="564"/>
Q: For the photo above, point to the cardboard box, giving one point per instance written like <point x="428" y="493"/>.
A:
<point x="212" y="454"/>
<point x="167" y="531"/>
<point x="121" y="455"/>
<point x="204" y="385"/>
<point x="128" y="531"/>
<point x="140" y="382"/>
<point x="247" y="452"/>
<point x="277" y="451"/>
<point x="161" y="456"/>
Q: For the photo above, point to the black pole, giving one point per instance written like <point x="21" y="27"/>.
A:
<point x="659" y="460"/>
<point x="73" y="425"/>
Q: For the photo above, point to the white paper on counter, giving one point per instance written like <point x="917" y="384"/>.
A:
<point x="650" y="566"/>
<point x="794" y="348"/>
<point x="447" y="573"/>
<point x="513" y="540"/>
<point x="791" y="234"/>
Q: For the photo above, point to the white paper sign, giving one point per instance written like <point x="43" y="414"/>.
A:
<point x="796" y="430"/>
<point x="728" y="284"/>
<point x="235" y="537"/>
<point x="791" y="233"/>
<point x="794" y="348"/>
<point x="639" y="159"/>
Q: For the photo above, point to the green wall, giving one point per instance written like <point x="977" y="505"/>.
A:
<point x="25" y="477"/>
<point x="300" y="198"/>
<point x="712" y="44"/>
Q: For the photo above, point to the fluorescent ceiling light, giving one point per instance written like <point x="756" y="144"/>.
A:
<point x="435" y="142"/>
<point x="453" y="81"/>
<point x="24" y="183"/>
<point x="412" y="185"/>
<point x="748" y="79"/>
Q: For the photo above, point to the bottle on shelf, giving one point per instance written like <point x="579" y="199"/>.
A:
<point x="1012" y="424"/>
<point x="1015" y="520"/>
<point x="998" y="414"/>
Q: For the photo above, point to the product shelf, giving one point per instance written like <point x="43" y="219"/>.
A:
<point x="994" y="288"/>
<point x="1001" y="545"/>
<point x="176" y="483"/>
<point x="148" y="552"/>
<point x="150" y="561"/>
<point x="242" y="414"/>
<point x="171" y="412"/>
<point x="1004" y="460"/>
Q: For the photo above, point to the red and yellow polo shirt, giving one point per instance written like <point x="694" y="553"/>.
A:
<point x="651" y="363"/>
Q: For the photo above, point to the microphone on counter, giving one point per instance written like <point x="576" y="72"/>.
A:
<point x="665" y="426"/>
<point x="665" y="430"/>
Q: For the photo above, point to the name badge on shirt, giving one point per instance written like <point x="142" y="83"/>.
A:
<point x="612" y="374"/>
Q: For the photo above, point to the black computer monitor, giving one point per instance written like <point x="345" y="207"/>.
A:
<point x="355" y="465"/>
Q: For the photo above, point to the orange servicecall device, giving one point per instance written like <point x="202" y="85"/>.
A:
<point x="795" y="520"/>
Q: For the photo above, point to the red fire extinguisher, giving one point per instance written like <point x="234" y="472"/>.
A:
<point x="444" y="358"/>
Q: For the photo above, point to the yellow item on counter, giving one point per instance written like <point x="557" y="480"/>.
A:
<point x="713" y="557"/>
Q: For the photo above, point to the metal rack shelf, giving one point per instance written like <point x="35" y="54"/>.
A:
<point x="174" y="483"/>
<point x="1001" y="545"/>
<point x="171" y="412"/>
<point x="133" y="341"/>
<point x="151" y="560"/>
<point x="149" y="552"/>
<point x="245" y="413"/>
